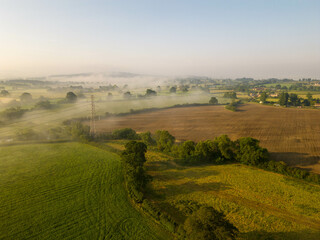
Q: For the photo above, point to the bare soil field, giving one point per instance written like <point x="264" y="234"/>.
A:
<point x="291" y="135"/>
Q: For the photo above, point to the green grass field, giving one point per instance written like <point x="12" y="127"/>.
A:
<point x="67" y="191"/>
<point x="257" y="202"/>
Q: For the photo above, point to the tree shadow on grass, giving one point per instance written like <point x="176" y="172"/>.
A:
<point x="263" y="235"/>
<point x="295" y="158"/>
<point x="190" y="187"/>
<point x="175" y="174"/>
<point x="162" y="165"/>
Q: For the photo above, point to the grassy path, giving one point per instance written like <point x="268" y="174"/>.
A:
<point x="67" y="191"/>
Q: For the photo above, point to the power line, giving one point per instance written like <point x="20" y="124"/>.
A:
<point x="93" y="120"/>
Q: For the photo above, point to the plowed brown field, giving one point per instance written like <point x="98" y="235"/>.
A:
<point x="290" y="134"/>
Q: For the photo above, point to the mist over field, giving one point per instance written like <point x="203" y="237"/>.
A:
<point x="160" y="120"/>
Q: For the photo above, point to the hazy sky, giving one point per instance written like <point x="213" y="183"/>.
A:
<point x="271" y="38"/>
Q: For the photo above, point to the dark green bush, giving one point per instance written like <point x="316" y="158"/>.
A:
<point x="209" y="224"/>
<point x="79" y="131"/>
<point x="43" y="105"/>
<point x="125" y="133"/>
<point x="13" y="113"/>
<point x="133" y="158"/>
<point x="147" y="139"/>
<point x="249" y="152"/>
<point x="213" y="101"/>
<point x="164" y="140"/>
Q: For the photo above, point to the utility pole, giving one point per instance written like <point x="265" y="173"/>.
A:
<point x="93" y="116"/>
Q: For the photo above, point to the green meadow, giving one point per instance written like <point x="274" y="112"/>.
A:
<point x="260" y="204"/>
<point x="67" y="191"/>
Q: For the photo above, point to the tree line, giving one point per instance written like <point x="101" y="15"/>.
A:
<point x="203" y="224"/>
<point x="222" y="149"/>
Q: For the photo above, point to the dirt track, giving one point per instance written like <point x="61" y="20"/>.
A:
<point x="290" y="134"/>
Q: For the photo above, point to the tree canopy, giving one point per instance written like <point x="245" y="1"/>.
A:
<point x="283" y="98"/>
<point x="4" y="93"/>
<point x="209" y="224"/>
<point x="173" y="90"/>
<point x="25" y="97"/>
<point x="164" y="140"/>
<point x="146" y="138"/>
<point x="71" y="97"/>
<point x="213" y="100"/>
<point x="249" y="152"/>
<point x="125" y="133"/>
<point x="133" y="158"/>
<point x="263" y="97"/>
<point x="150" y="93"/>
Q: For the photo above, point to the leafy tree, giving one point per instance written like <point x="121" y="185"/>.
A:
<point x="306" y="102"/>
<point x="150" y="93"/>
<point x="43" y="105"/>
<point x="232" y="106"/>
<point x="309" y="97"/>
<point x="25" y="97"/>
<point x="283" y="98"/>
<point x="164" y="140"/>
<point x="71" y="97"/>
<point x="133" y="158"/>
<point x="79" y="131"/>
<point x="207" y="151"/>
<point x="147" y="138"/>
<point x="225" y="146"/>
<point x="173" y="90"/>
<point x="13" y="113"/>
<point x="249" y="152"/>
<point x="187" y="149"/>
<point x="263" y="97"/>
<point x="209" y="224"/>
<point x="4" y="93"/>
<point x="294" y="99"/>
<point x="213" y="100"/>
<point x="136" y="151"/>
<point x="125" y="133"/>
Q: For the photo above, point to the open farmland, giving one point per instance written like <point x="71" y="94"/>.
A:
<point x="42" y="120"/>
<point x="67" y="191"/>
<point x="262" y="205"/>
<point x="290" y="134"/>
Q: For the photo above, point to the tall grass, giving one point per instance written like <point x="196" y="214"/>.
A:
<point x="257" y="202"/>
